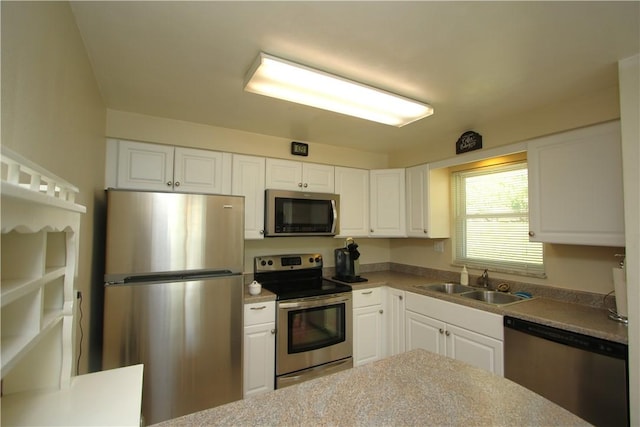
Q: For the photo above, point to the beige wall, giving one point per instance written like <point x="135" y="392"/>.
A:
<point x="629" y="70"/>
<point x="582" y="268"/>
<point x="560" y="115"/>
<point x="371" y="250"/>
<point x="573" y="267"/>
<point x="139" y="127"/>
<point x="52" y="113"/>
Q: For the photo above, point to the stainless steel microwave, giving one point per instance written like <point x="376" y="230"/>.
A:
<point x="298" y="213"/>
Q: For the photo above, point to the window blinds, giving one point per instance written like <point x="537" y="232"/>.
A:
<point x="491" y="212"/>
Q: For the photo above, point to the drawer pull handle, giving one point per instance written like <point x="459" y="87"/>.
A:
<point x="262" y="307"/>
<point x="367" y="293"/>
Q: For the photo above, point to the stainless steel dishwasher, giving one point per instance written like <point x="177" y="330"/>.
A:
<point x="587" y="376"/>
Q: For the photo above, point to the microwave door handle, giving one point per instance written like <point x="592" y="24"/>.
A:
<point x="335" y="216"/>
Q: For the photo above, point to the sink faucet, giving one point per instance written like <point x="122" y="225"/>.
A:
<point x="484" y="279"/>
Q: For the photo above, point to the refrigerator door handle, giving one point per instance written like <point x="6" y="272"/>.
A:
<point x="169" y="277"/>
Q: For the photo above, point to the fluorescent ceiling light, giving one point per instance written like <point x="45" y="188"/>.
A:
<point x="286" y="80"/>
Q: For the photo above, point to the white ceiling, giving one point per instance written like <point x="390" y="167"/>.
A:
<point x="473" y="61"/>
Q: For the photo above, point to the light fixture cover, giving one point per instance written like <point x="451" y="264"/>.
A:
<point x="293" y="82"/>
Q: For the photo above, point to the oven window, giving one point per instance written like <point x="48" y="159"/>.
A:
<point x="314" y="328"/>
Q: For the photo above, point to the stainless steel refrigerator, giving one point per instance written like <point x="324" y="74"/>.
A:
<point x="173" y="297"/>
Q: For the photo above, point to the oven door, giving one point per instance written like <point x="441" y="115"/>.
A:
<point x="313" y="331"/>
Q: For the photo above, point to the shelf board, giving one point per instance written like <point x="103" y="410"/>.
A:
<point x="13" y="347"/>
<point x="16" y="288"/>
<point x="13" y="190"/>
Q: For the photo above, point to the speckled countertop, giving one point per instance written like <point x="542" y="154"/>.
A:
<point x="413" y="388"/>
<point x="569" y="316"/>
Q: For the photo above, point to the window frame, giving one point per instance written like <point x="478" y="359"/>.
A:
<point x="460" y="229"/>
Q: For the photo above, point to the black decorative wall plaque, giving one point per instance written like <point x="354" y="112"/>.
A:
<point x="299" y="148"/>
<point x="468" y="141"/>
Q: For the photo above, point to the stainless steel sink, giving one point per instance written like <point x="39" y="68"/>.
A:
<point x="446" y="288"/>
<point x="493" y="297"/>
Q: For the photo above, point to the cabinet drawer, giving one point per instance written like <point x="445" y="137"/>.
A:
<point x="259" y="312"/>
<point x="365" y="297"/>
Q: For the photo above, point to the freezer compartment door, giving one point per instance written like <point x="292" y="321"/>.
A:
<point x="151" y="232"/>
<point x="187" y="334"/>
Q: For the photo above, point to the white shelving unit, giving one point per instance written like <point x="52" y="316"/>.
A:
<point x="40" y="227"/>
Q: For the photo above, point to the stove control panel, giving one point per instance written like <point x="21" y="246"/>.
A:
<point x="286" y="262"/>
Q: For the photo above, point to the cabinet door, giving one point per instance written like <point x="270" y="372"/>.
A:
<point x="283" y="174"/>
<point x="259" y="358"/>
<point x="475" y="349"/>
<point x="353" y="187"/>
<point x="318" y="178"/>
<point x="201" y="171"/>
<point x="145" y="166"/>
<point x="427" y="202"/>
<point x="395" y="321"/>
<point x="368" y="339"/>
<point x="424" y="332"/>
<point x="387" y="192"/>
<point x="248" y="180"/>
<point x="575" y="187"/>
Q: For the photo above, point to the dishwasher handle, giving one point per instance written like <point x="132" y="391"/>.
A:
<point x="572" y="339"/>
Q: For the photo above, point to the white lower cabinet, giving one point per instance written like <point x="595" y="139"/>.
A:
<point x="259" y="348"/>
<point x="395" y="321"/>
<point x="368" y="326"/>
<point x="462" y="333"/>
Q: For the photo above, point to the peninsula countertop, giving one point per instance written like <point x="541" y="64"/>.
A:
<point x="413" y="388"/>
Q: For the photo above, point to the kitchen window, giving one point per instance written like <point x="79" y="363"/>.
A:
<point x="491" y="214"/>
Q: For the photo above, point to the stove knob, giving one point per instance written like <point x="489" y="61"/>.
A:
<point x="270" y="262"/>
<point x="263" y="263"/>
<point x="310" y="260"/>
<point x="318" y="258"/>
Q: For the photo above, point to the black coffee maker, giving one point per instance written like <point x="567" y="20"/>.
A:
<point x="347" y="264"/>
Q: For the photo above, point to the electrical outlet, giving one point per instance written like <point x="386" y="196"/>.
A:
<point x="438" y="246"/>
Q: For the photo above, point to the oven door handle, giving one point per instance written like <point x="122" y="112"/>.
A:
<point x="316" y="302"/>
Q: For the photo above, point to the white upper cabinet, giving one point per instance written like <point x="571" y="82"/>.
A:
<point x="387" y="197"/>
<point x="298" y="176"/>
<point x="248" y="181"/>
<point x="153" y="167"/>
<point x="575" y="187"/>
<point x="353" y="187"/>
<point x="201" y="171"/>
<point x="427" y="202"/>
